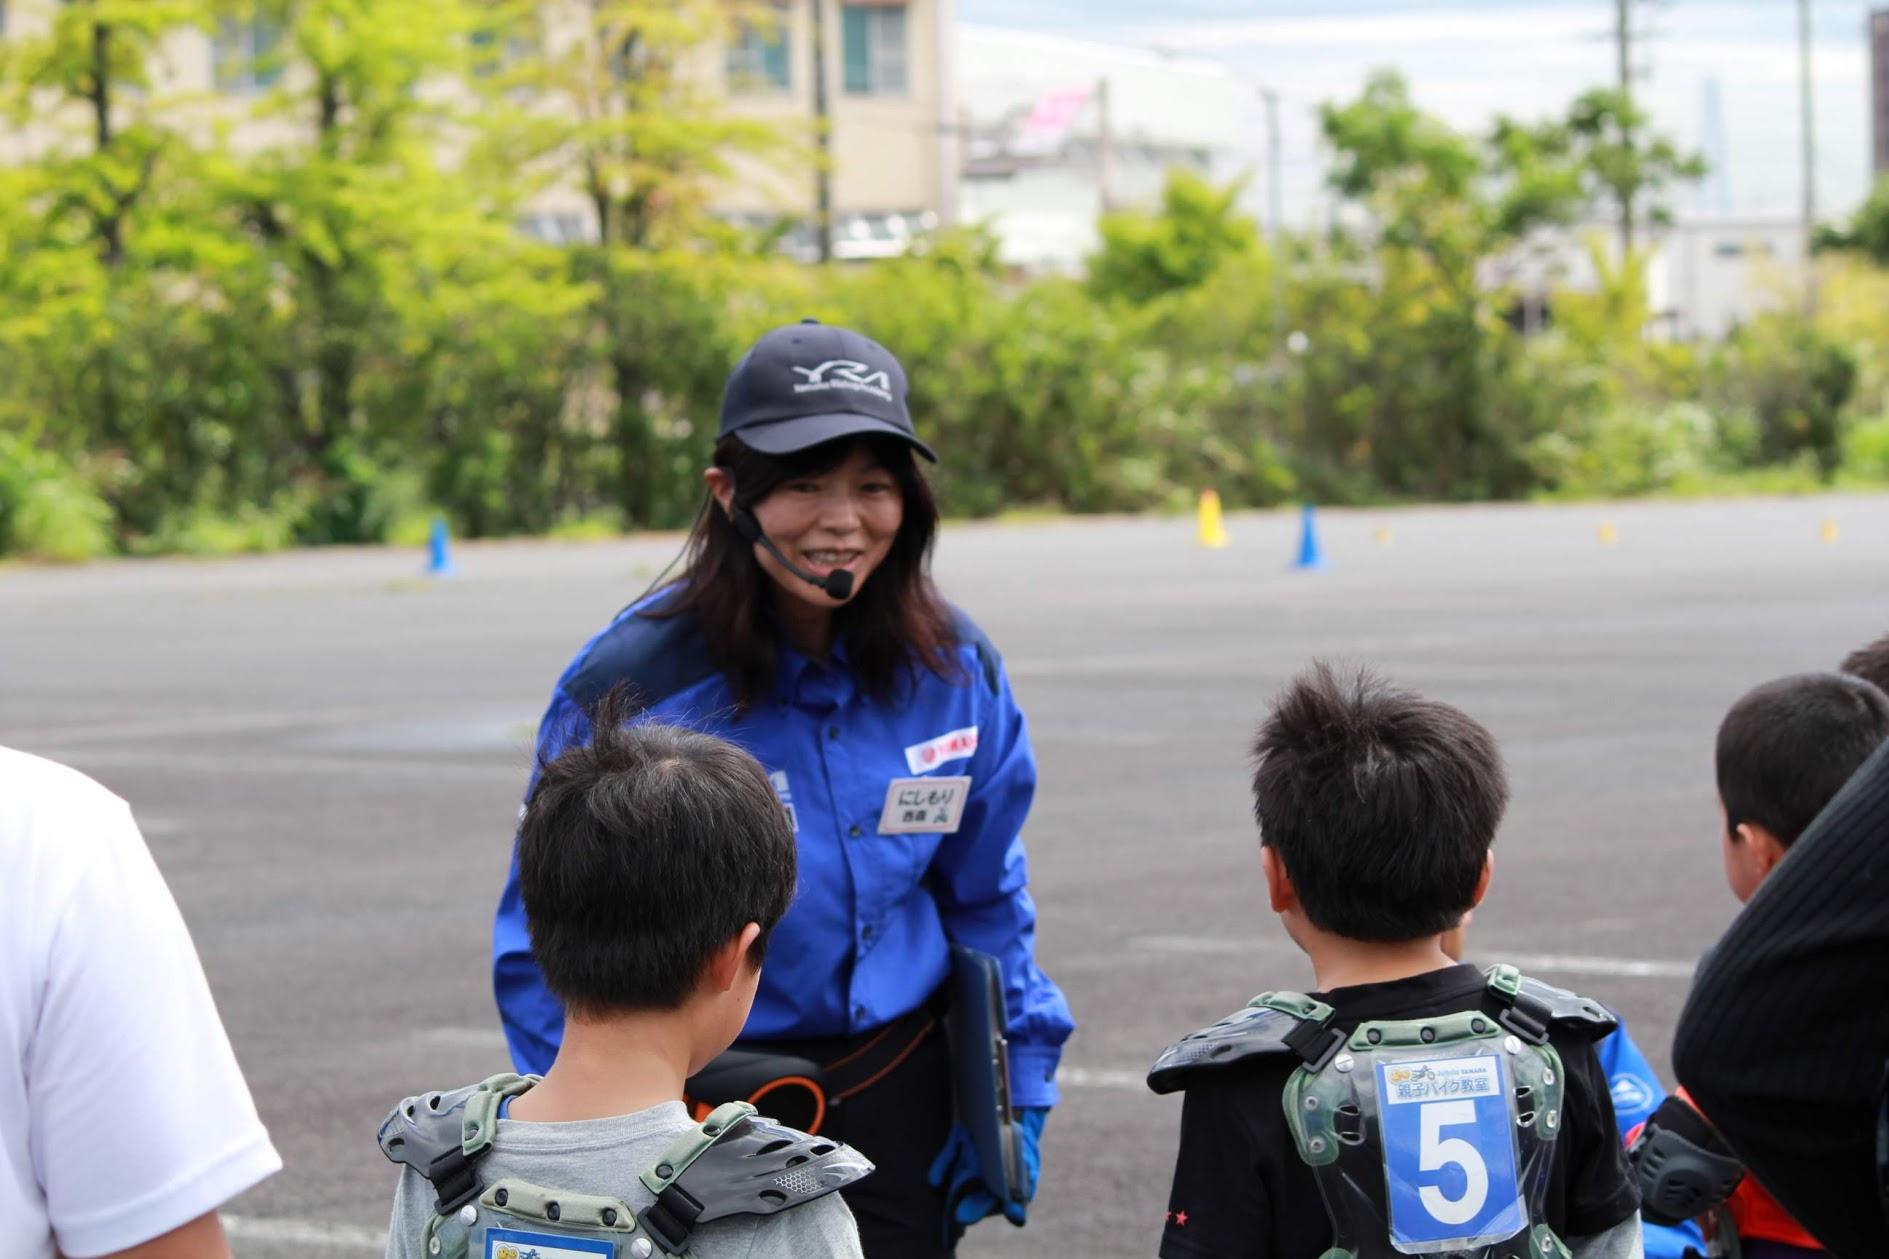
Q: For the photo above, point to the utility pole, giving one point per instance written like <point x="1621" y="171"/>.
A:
<point x="1623" y="57"/>
<point x="1623" y="45"/>
<point x="1810" y="157"/>
<point x="1105" y="146"/>
<point x="823" y="139"/>
<point x="1275" y="215"/>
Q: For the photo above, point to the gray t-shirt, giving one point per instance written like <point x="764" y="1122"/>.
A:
<point x="606" y="1157"/>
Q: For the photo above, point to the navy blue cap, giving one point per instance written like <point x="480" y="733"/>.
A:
<point x="811" y="382"/>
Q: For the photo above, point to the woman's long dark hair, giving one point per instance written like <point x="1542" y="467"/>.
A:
<point x="897" y="621"/>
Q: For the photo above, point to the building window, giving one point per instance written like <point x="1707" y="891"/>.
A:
<point x="242" y="56"/>
<point x="874" y="39"/>
<point x="492" y="54"/>
<point x="756" y="59"/>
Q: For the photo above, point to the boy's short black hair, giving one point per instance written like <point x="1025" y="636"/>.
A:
<point x="643" y="851"/>
<point x="1870" y="663"/>
<point x="1381" y="804"/>
<point x="1788" y="746"/>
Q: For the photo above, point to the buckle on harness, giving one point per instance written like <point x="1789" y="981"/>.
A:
<point x="1522" y="1023"/>
<point x="1315" y="1043"/>
<point x="1506" y="1003"/>
<point x="670" y="1219"/>
<point x="453" y="1179"/>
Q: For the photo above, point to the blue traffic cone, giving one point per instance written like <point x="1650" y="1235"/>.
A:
<point x="1311" y="555"/>
<point x="439" y="550"/>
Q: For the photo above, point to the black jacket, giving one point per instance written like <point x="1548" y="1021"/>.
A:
<point x="1784" y="1038"/>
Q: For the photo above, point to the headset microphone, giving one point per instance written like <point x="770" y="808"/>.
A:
<point x="838" y="584"/>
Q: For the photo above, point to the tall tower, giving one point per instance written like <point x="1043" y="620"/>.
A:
<point x="1879" y="86"/>
<point x="1714" y="191"/>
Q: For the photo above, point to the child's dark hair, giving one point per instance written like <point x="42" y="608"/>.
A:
<point x="1788" y="746"/>
<point x="1381" y="804"/>
<point x="1870" y="663"/>
<point x="641" y="852"/>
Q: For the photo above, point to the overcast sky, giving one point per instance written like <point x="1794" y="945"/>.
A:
<point x="1472" y="59"/>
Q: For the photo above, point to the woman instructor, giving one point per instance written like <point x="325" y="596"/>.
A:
<point x="806" y="628"/>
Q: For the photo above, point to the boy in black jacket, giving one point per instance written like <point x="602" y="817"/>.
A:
<point x="1433" y="1109"/>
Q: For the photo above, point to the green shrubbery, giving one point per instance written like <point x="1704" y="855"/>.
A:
<point x="334" y="340"/>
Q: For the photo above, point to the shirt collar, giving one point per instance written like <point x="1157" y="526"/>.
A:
<point x="802" y="677"/>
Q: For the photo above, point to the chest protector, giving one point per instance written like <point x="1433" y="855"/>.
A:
<point x="1429" y="1136"/>
<point x="732" y="1163"/>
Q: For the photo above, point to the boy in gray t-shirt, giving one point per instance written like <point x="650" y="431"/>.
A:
<point x="653" y="863"/>
<point x="605" y="1157"/>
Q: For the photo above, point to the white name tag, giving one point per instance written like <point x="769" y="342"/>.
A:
<point x="920" y="806"/>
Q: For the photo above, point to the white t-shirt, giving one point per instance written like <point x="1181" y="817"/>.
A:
<point x="123" y="1114"/>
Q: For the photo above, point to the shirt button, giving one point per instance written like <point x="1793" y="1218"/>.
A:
<point x="856" y="832"/>
<point x="865" y="932"/>
<point x="832" y="732"/>
<point x="859" y="1013"/>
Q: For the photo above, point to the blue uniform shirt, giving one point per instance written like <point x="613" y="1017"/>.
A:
<point x="868" y="936"/>
<point x="1636" y="1095"/>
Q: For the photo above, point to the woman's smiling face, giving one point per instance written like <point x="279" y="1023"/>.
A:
<point x="845" y="517"/>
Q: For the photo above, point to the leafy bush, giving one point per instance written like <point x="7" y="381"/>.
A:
<point x="1792" y="383"/>
<point x="47" y="510"/>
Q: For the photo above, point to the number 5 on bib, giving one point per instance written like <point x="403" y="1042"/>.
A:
<point x="1448" y="1129"/>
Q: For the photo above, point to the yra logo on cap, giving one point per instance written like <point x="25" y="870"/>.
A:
<point x="844" y="373"/>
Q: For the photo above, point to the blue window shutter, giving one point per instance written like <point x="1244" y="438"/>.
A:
<point x="858" y="56"/>
<point x="267" y="37"/>
<point x="774" y="59"/>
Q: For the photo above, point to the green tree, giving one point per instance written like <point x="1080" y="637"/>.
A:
<point x="107" y="308"/>
<point x="1435" y="193"/>
<point x="1624" y="162"/>
<point x="1868" y="231"/>
<point x="1409" y="385"/>
<point x="1198" y="229"/>
<point x="619" y="107"/>
<point x="373" y="230"/>
<point x="87" y="81"/>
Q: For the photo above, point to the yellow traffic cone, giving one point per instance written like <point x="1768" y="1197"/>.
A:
<point x="1827" y="531"/>
<point x="1212" y="530"/>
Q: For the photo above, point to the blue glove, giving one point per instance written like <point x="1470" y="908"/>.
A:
<point x="956" y="1170"/>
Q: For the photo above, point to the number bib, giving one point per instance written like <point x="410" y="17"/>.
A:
<point x="511" y="1243"/>
<point x="1448" y="1131"/>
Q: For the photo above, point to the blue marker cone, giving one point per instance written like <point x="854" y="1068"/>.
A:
<point x="439" y="550"/>
<point x="1311" y="555"/>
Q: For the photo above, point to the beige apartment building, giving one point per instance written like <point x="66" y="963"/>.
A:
<point x="894" y="156"/>
<point x="890" y="97"/>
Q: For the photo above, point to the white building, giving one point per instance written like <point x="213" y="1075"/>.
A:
<point x="1705" y="275"/>
<point x="1056" y="129"/>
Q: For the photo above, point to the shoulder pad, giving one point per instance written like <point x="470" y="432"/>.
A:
<point x="739" y="1163"/>
<point x="423" y="1127"/>
<point x="439" y="1134"/>
<point x="655" y="655"/>
<point x="1683" y="1166"/>
<point x="1257" y="1031"/>
<point x="1570" y="1012"/>
<point x="1554" y="1008"/>
<point x="989" y="663"/>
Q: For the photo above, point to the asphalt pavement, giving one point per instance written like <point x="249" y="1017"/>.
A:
<point x="326" y="751"/>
